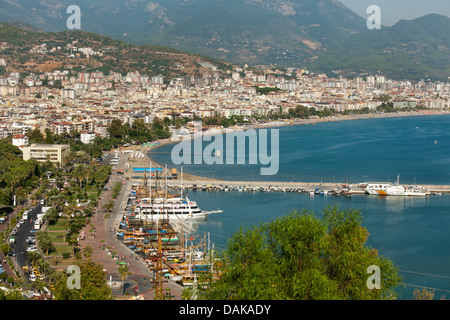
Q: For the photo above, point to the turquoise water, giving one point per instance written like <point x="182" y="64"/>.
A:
<point x="412" y="232"/>
<point x="417" y="148"/>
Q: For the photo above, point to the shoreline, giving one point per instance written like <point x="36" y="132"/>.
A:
<point x="199" y="180"/>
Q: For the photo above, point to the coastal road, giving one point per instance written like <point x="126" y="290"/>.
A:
<point x="20" y="247"/>
<point x="104" y="237"/>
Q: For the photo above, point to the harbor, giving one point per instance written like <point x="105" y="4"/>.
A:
<point x="138" y="167"/>
<point x="180" y="251"/>
<point x="154" y="226"/>
<point x="155" y="221"/>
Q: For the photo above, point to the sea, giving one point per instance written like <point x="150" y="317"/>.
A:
<point x="413" y="232"/>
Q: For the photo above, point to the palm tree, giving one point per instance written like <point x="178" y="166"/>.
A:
<point x="109" y="206"/>
<point x="45" y="242"/>
<point x="123" y="272"/>
<point x="79" y="173"/>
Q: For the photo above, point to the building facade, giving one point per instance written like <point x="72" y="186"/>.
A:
<point x="55" y="153"/>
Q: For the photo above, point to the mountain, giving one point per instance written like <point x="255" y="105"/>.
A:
<point x="284" y="32"/>
<point x="322" y="35"/>
<point x="37" y="52"/>
<point x="411" y="49"/>
<point x="251" y="31"/>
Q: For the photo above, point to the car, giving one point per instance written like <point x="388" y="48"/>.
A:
<point x="14" y="232"/>
<point x="32" y="248"/>
<point x="18" y="225"/>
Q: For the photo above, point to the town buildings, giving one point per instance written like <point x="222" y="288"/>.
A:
<point x="87" y="102"/>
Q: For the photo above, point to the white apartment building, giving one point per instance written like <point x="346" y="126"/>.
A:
<point x="87" y="137"/>
<point x="20" y="140"/>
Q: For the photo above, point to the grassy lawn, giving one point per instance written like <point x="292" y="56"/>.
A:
<point x="60" y="249"/>
<point x="92" y="192"/>
<point x="59" y="225"/>
<point x="57" y="236"/>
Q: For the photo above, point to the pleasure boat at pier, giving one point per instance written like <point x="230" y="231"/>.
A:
<point x="376" y="188"/>
<point x="387" y="189"/>
<point x="171" y="208"/>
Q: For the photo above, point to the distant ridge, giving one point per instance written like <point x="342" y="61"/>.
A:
<point x="322" y="35"/>
<point x="116" y="55"/>
<point x="411" y="49"/>
<point x="282" y="32"/>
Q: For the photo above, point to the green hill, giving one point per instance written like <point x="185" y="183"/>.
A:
<point x="241" y="31"/>
<point x="414" y="49"/>
<point x="60" y="51"/>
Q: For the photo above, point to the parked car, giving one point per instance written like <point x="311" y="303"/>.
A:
<point x="32" y="248"/>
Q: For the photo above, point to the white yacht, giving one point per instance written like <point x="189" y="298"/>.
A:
<point x="171" y="208"/>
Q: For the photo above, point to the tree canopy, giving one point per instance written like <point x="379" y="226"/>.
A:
<point x="93" y="284"/>
<point x="302" y="257"/>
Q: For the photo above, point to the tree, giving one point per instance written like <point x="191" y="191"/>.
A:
<point x="92" y="282"/>
<point x="52" y="216"/>
<point x="423" y="295"/>
<point x="45" y="242"/>
<point x="36" y="136"/>
<point x="123" y="272"/>
<point x="116" y="129"/>
<point x="11" y="295"/>
<point x="109" y="206"/>
<point x="79" y="173"/>
<point x="49" y="138"/>
<point x="87" y="251"/>
<point x="301" y="257"/>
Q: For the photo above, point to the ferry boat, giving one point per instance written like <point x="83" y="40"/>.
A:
<point x="387" y="189"/>
<point x="171" y="208"/>
<point x="377" y="188"/>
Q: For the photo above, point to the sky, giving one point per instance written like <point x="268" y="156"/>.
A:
<point x="394" y="10"/>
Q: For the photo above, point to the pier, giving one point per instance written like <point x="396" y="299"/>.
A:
<point x="165" y="176"/>
<point x="272" y="186"/>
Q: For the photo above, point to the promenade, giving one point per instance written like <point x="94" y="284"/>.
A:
<point x="104" y="244"/>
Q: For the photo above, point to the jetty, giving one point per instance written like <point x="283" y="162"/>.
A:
<point x="138" y="165"/>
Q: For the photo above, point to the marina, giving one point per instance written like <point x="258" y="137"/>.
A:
<point x="154" y="226"/>
<point x="411" y="230"/>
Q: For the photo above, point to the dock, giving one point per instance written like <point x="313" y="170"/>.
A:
<point x="177" y="179"/>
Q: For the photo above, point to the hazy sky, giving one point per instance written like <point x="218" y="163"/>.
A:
<point x="394" y="10"/>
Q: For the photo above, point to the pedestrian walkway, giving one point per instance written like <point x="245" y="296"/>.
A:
<point x="103" y="244"/>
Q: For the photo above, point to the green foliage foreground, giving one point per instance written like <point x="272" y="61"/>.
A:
<point x="301" y="257"/>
